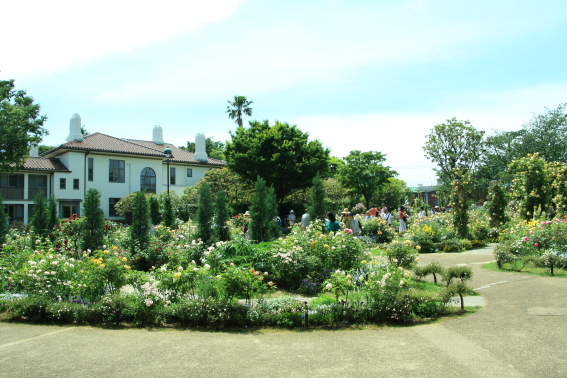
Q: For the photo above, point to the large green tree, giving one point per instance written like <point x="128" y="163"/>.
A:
<point x="363" y="174"/>
<point x="545" y="134"/>
<point x="455" y="146"/>
<point x="281" y="154"/>
<point x="20" y="126"/>
<point x="239" y="106"/>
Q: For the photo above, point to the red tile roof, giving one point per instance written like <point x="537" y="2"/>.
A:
<point x="44" y="164"/>
<point x="106" y="143"/>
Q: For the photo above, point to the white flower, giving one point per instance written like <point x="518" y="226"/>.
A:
<point x="54" y="263"/>
<point x="163" y="268"/>
<point x="180" y="269"/>
<point x="328" y="286"/>
<point x="53" y="272"/>
<point x="71" y="266"/>
<point x="207" y="266"/>
<point x="195" y="269"/>
<point x="149" y="302"/>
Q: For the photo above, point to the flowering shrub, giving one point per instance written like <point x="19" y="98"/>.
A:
<point x="378" y="228"/>
<point x="359" y="208"/>
<point x="402" y="254"/>
<point x="304" y="254"/>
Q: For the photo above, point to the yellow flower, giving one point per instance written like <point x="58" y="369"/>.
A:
<point x="126" y="267"/>
<point x="124" y="259"/>
<point x="418" y="247"/>
<point x="177" y="275"/>
<point x="114" y="247"/>
<point x="364" y="261"/>
<point x="101" y="266"/>
<point x="326" y="246"/>
<point x="106" y="251"/>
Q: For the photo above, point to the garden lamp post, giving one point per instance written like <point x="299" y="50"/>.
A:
<point x="168" y="154"/>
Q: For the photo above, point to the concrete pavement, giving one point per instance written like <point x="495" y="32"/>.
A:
<point x="520" y="332"/>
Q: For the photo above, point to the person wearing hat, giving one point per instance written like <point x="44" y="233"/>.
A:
<point x="291" y="218"/>
<point x="343" y="220"/>
<point x="437" y="209"/>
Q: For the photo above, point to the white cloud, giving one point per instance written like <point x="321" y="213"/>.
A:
<point x="51" y="36"/>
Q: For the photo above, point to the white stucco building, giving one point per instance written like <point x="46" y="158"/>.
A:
<point x="116" y="167"/>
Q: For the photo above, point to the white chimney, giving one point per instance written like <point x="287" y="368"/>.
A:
<point x="200" y="148"/>
<point x="157" y="135"/>
<point x="75" y="128"/>
<point x="34" y="150"/>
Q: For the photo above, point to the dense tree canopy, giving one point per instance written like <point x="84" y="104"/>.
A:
<point x="364" y="174"/>
<point x="455" y="146"/>
<point x="20" y="126"/>
<point x="281" y="154"/>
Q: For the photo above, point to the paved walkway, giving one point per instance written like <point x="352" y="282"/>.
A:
<point x="520" y="332"/>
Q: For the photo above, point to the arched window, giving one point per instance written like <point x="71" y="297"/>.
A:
<point x="148" y="180"/>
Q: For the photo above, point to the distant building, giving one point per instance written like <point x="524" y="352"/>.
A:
<point x="427" y="193"/>
<point x="116" y="167"/>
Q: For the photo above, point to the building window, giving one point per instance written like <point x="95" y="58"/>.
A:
<point x="172" y="176"/>
<point x="37" y="184"/>
<point x="116" y="171"/>
<point x="189" y="172"/>
<point x="148" y="180"/>
<point x="62" y="183"/>
<point x="76" y="184"/>
<point x="67" y="211"/>
<point x="12" y="186"/>
<point x="15" y="212"/>
<point x="111" y="207"/>
<point x="90" y="169"/>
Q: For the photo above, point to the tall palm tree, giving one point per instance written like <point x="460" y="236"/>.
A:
<point x="237" y="107"/>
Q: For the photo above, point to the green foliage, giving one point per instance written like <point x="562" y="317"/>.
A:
<point x="205" y="215"/>
<point x="336" y="195"/>
<point x="557" y="176"/>
<point x="93" y="222"/>
<point x="239" y="106"/>
<point x="140" y="227"/>
<point x="281" y="154"/>
<point x="222" y="216"/>
<point x="363" y="174"/>
<point x="155" y="212"/>
<point x="237" y="191"/>
<point x="530" y="185"/>
<point x="263" y="211"/>
<point x="455" y="146"/>
<point x="394" y="193"/>
<point x="318" y="198"/>
<point x="53" y="212"/>
<point x="4" y="222"/>
<point x="463" y="273"/>
<point x="40" y="220"/>
<point x="378" y="229"/>
<point x="460" y="204"/>
<point x="21" y="126"/>
<point x="168" y="213"/>
<point x="497" y="202"/>
<point x="403" y="254"/>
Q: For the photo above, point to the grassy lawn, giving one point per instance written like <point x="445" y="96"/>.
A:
<point x="545" y="272"/>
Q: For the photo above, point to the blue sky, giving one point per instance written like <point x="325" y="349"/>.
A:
<point x="366" y="75"/>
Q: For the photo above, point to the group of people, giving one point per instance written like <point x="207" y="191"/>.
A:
<point x="347" y="220"/>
